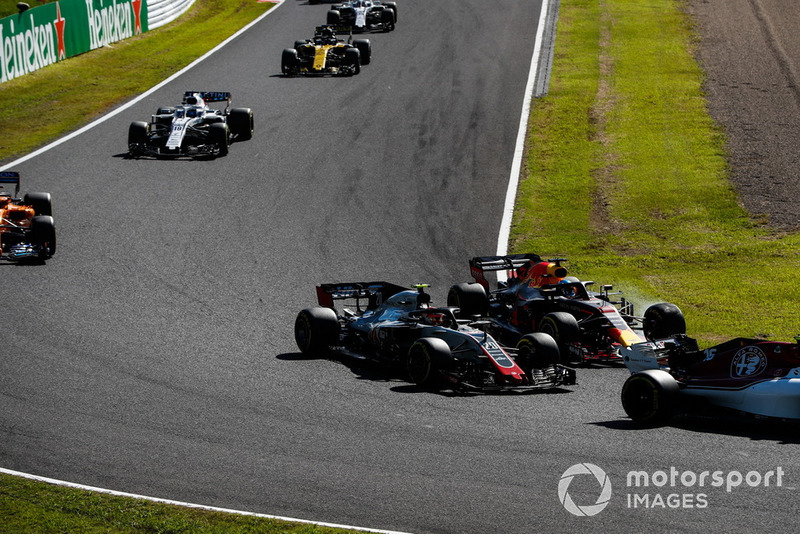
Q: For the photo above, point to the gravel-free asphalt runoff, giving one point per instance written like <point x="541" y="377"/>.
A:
<point x="154" y="354"/>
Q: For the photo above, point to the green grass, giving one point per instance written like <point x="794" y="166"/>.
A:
<point x="72" y="93"/>
<point x="9" y="7"/>
<point x="35" y="507"/>
<point x="626" y="176"/>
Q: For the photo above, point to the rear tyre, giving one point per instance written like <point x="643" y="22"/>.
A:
<point x="42" y="203"/>
<point x="426" y="358"/>
<point x="333" y="18"/>
<point x="316" y="330"/>
<point x="240" y="122"/>
<point x="650" y="397"/>
<point x="470" y="299"/>
<point x="43" y="233"/>
<point x="663" y="320"/>
<point x="537" y="351"/>
<point x="365" y="48"/>
<point x="218" y="134"/>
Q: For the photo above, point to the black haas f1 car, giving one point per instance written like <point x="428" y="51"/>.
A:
<point x="191" y="128"/>
<point x="325" y="54"/>
<point x="750" y="376"/>
<point x="538" y="296"/>
<point x="399" y="328"/>
<point x="364" y="15"/>
<point x="27" y="230"/>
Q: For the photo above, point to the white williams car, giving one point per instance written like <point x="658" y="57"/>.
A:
<point x="364" y="15"/>
<point x="191" y="128"/>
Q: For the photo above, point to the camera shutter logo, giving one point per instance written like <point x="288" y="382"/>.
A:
<point x="584" y="469"/>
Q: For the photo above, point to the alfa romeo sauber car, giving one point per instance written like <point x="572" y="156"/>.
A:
<point x="399" y="328"/>
<point x="746" y="375"/>
<point x="364" y="15"/>
<point x="325" y="54"/>
<point x="191" y="128"/>
<point x="27" y="230"/>
<point x="539" y="296"/>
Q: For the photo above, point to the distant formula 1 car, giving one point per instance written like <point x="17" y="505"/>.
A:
<point x="191" y="128"/>
<point x="27" y="230"/>
<point x="398" y="328"/>
<point x="538" y="296"/>
<point x="364" y="15"/>
<point x="325" y="54"/>
<point x="751" y="376"/>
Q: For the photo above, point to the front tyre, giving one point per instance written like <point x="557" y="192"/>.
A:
<point x="537" y="351"/>
<point x="650" y="397"/>
<point x="426" y="358"/>
<point x="43" y="234"/>
<point x="662" y="321"/>
<point x="290" y="62"/>
<point x="365" y="48"/>
<point x="138" y="137"/>
<point x="316" y="330"/>
<point x="219" y="136"/>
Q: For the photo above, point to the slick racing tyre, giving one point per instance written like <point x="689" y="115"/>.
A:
<point x="42" y="203"/>
<point x="138" y="136"/>
<point x="333" y="18"/>
<point x="470" y="299"/>
<point x="387" y="19"/>
<point x="393" y="7"/>
<point x="537" y="351"/>
<point x="289" y="62"/>
<point x="662" y="321"/>
<point x="316" y="330"/>
<point x="562" y="327"/>
<point x="365" y="48"/>
<point x="218" y="135"/>
<point x="650" y="397"/>
<point x="240" y="122"/>
<point x="352" y="59"/>
<point x="43" y="233"/>
<point x="426" y="358"/>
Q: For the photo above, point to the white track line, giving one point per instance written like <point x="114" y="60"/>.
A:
<point x="188" y="505"/>
<point x="123" y="107"/>
<point x="516" y="165"/>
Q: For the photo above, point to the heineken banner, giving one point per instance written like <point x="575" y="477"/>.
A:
<point x="43" y="35"/>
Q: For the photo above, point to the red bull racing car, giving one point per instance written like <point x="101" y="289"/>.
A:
<point x="398" y="328"/>
<point x="746" y="375"/>
<point x="539" y="296"/>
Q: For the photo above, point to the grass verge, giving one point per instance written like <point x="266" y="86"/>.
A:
<point x="28" y="506"/>
<point x="44" y="105"/>
<point x="626" y="176"/>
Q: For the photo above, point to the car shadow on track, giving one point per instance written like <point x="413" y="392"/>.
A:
<point x="781" y="432"/>
<point x="373" y="371"/>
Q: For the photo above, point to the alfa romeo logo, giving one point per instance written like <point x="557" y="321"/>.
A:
<point x="584" y="469"/>
<point x="748" y="361"/>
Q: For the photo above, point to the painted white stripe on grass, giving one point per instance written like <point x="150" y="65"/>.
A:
<point x="123" y="107"/>
<point x="188" y="505"/>
<point x="516" y="165"/>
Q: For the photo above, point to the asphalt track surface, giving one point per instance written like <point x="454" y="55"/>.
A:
<point x="154" y="354"/>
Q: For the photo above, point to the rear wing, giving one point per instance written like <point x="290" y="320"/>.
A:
<point x="483" y="264"/>
<point x="209" y="96"/>
<point x="10" y="177"/>
<point x="375" y="293"/>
